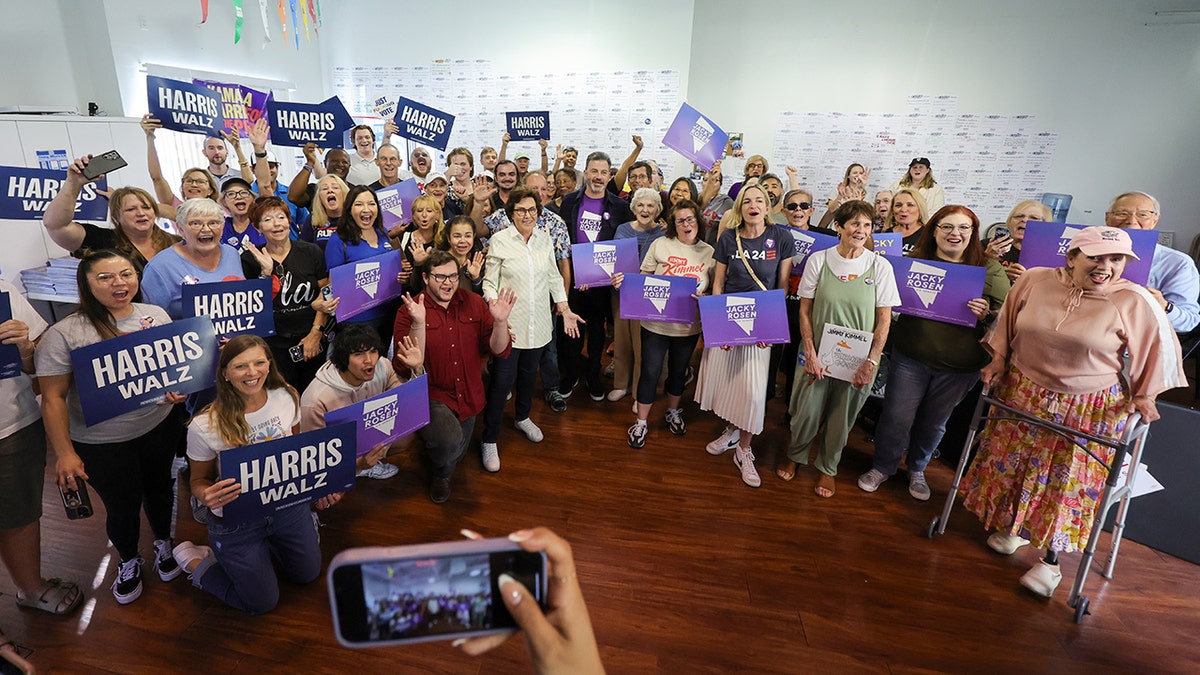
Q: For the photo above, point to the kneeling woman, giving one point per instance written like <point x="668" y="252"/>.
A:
<point x="127" y="459"/>
<point x="254" y="405"/>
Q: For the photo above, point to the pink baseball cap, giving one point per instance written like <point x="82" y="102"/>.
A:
<point x="1094" y="241"/>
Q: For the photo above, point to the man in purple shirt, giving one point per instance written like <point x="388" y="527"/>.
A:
<point x="592" y="214"/>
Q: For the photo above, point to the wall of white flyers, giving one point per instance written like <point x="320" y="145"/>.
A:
<point x="987" y="162"/>
<point x="589" y="111"/>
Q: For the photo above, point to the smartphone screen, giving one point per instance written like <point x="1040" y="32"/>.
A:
<point x="435" y="597"/>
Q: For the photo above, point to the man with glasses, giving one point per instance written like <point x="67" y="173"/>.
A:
<point x="1174" y="280"/>
<point x="467" y="331"/>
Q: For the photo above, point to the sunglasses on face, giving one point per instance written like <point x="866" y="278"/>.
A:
<point x="803" y="206"/>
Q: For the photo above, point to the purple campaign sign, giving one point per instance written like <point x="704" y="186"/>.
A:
<point x="938" y="290"/>
<point x="594" y="264"/>
<point x="658" y="298"/>
<point x="808" y="243"/>
<point x="528" y="126"/>
<point x="737" y="319"/>
<point x="395" y="202"/>
<point x="288" y="471"/>
<point x="183" y="106"/>
<point x="121" y="374"/>
<point x="388" y="417"/>
<point x="365" y="283"/>
<point x="696" y="137"/>
<point x="1045" y="245"/>
<point x="889" y="244"/>
<point x="27" y="193"/>
<point x="235" y="307"/>
<point x="297" y="124"/>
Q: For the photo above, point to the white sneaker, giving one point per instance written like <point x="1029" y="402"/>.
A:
<point x="1042" y="578"/>
<point x="617" y="394"/>
<point x="745" y="462"/>
<point x="185" y="553"/>
<point x="1004" y="543"/>
<point x="725" y="442"/>
<point x="531" y="430"/>
<point x="381" y="471"/>
<point x="491" y="457"/>
<point x="871" y="480"/>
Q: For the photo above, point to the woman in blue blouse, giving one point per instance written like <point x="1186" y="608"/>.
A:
<point x="360" y="235"/>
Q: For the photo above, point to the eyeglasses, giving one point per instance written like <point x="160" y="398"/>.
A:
<point x="442" y="278"/>
<point x="210" y="224"/>
<point x="690" y="220"/>
<point x="195" y="181"/>
<point x="1142" y="215"/>
<point x="955" y="228"/>
<point x="108" y="278"/>
<point x="758" y="165"/>
<point x="525" y="211"/>
<point x="803" y="206"/>
<point x="237" y="194"/>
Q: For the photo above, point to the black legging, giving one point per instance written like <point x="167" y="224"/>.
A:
<point x="592" y="305"/>
<point x="676" y="351"/>
<point x="129" y="475"/>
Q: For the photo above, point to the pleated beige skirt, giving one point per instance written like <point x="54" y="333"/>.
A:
<point x="733" y="384"/>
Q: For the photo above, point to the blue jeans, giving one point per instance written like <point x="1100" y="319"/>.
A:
<point x="520" y="367"/>
<point x="549" y="362"/>
<point x="240" y="571"/>
<point x="918" y="402"/>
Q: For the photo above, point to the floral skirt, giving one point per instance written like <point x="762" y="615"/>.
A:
<point x="1027" y="477"/>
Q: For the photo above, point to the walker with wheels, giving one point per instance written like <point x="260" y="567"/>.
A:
<point x="1129" y="445"/>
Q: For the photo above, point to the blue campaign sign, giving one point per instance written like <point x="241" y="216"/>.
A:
<point x="124" y="373"/>
<point x="528" y="126"/>
<point x="296" y="124"/>
<point x="234" y="306"/>
<point x="696" y="137"/>
<point x="388" y="417"/>
<point x="395" y="202"/>
<point x="288" y="471"/>
<point x="10" y="356"/>
<point x="889" y="243"/>
<point x="425" y="125"/>
<point x="27" y="193"/>
<point x="183" y="106"/>
<point x="366" y="283"/>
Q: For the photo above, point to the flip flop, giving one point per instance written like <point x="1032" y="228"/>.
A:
<point x="54" y="597"/>
<point x="825" y="486"/>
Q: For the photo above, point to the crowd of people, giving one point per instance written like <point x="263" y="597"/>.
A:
<point x="486" y="266"/>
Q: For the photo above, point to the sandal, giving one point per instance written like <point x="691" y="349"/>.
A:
<point x="824" y="486"/>
<point x="786" y="471"/>
<point x="55" y="597"/>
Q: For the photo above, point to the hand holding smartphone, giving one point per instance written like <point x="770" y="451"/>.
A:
<point x="408" y="594"/>
<point x="102" y="164"/>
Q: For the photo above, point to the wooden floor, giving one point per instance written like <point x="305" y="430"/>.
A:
<point x="685" y="570"/>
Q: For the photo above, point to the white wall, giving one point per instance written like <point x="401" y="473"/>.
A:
<point x="28" y="29"/>
<point x="1124" y="97"/>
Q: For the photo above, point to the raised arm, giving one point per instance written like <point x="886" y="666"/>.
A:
<point x="545" y="160"/>
<point x="298" y="188"/>
<point x="503" y="146"/>
<point x="623" y="172"/>
<point x="557" y="160"/>
<point x="258" y="140"/>
<point x="59" y="214"/>
<point x="162" y="189"/>
<point x="247" y="172"/>
<point x="711" y="184"/>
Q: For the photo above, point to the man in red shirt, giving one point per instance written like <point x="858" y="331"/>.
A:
<point x="466" y="330"/>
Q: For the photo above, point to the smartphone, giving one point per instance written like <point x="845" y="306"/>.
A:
<point x="77" y="502"/>
<point x="102" y="164"/>
<point x="327" y="292"/>
<point x="408" y="594"/>
<point x="297" y="353"/>
<point x="1001" y="232"/>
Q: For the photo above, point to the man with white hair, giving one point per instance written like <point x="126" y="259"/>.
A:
<point x="1174" y="280"/>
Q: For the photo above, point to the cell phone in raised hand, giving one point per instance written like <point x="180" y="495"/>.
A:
<point x="99" y="165"/>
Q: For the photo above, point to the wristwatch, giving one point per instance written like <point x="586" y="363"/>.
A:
<point x="1170" y="306"/>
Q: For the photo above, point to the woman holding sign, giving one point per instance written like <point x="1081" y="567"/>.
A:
<point x="254" y="405"/>
<point x="933" y="363"/>
<point x="846" y="299"/>
<point x="646" y="205"/>
<point x="199" y="258"/>
<point x="521" y="258"/>
<point x="360" y="235"/>
<point x="753" y="254"/>
<point x="127" y="459"/>
<point x="681" y="253"/>
<point x="1057" y="352"/>
<point x="297" y="275"/>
